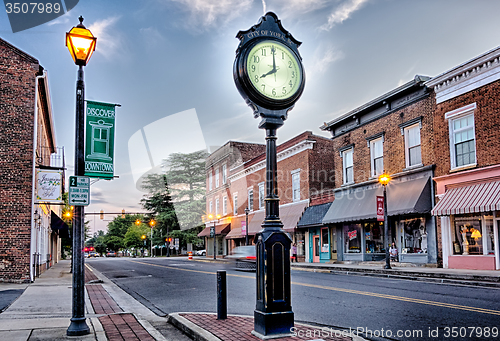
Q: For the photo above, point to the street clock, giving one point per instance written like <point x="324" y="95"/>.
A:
<point x="268" y="70"/>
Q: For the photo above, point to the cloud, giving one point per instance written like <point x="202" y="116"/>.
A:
<point x="205" y="14"/>
<point x="151" y="36"/>
<point x="343" y="12"/>
<point x="61" y="20"/>
<point x="108" y="43"/>
<point x="323" y="57"/>
<point x="293" y="9"/>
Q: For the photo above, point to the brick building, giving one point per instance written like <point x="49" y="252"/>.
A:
<point x="220" y="200"/>
<point x="27" y="141"/>
<point x="392" y="133"/>
<point x="467" y="176"/>
<point x="304" y="170"/>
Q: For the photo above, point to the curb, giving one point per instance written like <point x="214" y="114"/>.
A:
<point x="191" y="329"/>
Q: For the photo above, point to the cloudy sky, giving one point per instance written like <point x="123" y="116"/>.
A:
<point x="159" y="58"/>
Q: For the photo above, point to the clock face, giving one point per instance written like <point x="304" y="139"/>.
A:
<point x="273" y="70"/>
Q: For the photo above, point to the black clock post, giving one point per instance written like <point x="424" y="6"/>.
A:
<point x="273" y="315"/>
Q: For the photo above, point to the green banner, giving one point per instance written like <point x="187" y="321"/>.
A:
<point x="99" y="140"/>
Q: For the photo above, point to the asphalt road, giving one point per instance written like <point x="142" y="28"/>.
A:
<point x="372" y="307"/>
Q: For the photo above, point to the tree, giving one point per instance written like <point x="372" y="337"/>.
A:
<point x="133" y="237"/>
<point x="186" y="177"/>
<point x="115" y="238"/>
<point x="159" y="203"/>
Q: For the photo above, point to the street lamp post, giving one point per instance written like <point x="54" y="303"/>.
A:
<point x="214" y="234"/>
<point x="152" y="223"/>
<point x="247" y="210"/>
<point x="384" y="179"/>
<point x="81" y="44"/>
<point x="143" y="238"/>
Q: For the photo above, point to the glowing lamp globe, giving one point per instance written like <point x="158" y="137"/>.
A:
<point x="81" y="43"/>
<point x="384" y="179"/>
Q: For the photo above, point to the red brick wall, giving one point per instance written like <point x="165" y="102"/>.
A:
<point x="486" y="120"/>
<point x="394" y="147"/>
<point x="17" y="102"/>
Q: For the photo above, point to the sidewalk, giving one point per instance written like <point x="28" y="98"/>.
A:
<point x="44" y="309"/>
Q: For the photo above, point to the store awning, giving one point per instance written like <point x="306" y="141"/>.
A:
<point x="219" y="229"/>
<point x="477" y="198"/>
<point x="289" y="215"/>
<point x="313" y="215"/>
<point x="408" y="197"/>
<point x="236" y="227"/>
<point x="58" y="225"/>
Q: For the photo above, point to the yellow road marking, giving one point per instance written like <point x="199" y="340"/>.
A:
<point x="350" y="291"/>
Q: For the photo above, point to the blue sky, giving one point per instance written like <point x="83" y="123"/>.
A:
<point x="161" y="57"/>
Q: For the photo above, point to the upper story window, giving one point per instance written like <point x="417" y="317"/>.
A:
<point x="377" y="156"/>
<point x="210" y="180"/>
<point x="235" y="204"/>
<point x="250" y="199"/>
<point x="216" y="177"/>
<point x="261" y="196"/>
<point x="224" y="174"/>
<point x="210" y="208"/>
<point x="217" y="207"/>
<point x="296" y="185"/>
<point x="224" y="206"/>
<point x="348" y="166"/>
<point x="462" y="136"/>
<point x="413" y="152"/>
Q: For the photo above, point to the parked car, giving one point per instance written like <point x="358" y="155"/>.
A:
<point x="93" y="254"/>
<point x="111" y="254"/>
<point x="201" y="252"/>
<point x="244" y="258"/>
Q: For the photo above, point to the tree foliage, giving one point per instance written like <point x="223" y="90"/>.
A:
<point x="186" y="178"/>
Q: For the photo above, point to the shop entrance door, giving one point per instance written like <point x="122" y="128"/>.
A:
<point x="496" y="239"/>
<point x="316" y="249"/>
<point x="333" y="243"/>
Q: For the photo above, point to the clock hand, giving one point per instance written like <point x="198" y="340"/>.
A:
<point x="273" y="51"/>
<point x="269" y="73"/>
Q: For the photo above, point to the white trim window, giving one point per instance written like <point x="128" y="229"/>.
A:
<point x="217" y="178"/>
<point x="250" y="199"/>
<point x="235" y="204"/>
<point x="377" y="156"/>
<point x="413" y="150"/>
<point x="216" y="206"/>
<point x="224" y="205"/>
<point x="261" y="196"/>
<point x="462" y="137"/>
<point x="210" y="207"/>
<point x="348" y="166"/>
<point x="210" y="180"/>
<point x="224" y="174"/>
<point x="296" y="185"/>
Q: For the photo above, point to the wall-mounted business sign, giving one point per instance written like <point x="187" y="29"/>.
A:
<point x="48" y="186"/>
<point x="99" y="140"/>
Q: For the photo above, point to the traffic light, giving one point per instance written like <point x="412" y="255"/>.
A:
<point x="86" y="249"/>
<point x="138" y="222"/>
<point x="102" y="215"/>
<point x="152" y="223"/>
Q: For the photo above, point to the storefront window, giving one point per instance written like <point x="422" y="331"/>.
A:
<point x="468" y="236"/>
<point x="374" y="237"/>
<point x="414" y="236"/>
<point x="352" y="237"/>
<point x="490" y="244"/>
<point x="300" y="240"/>
<point x="324" y="240"/>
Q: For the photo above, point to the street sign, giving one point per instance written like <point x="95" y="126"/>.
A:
<point x="212" y="231"/>
<point x="79" y="190"/>
<point x="176" y="243"/>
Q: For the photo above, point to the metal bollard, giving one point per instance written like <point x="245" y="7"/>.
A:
<point x="221" y="295"/>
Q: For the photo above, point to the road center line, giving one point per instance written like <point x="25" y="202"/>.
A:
<point x="350" y="291"/>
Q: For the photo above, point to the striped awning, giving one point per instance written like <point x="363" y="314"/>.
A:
<point x="477" y="198"/>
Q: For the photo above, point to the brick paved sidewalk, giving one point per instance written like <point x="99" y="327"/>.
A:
<point x="239" y="328"/>
<point x="117" y="325"/>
